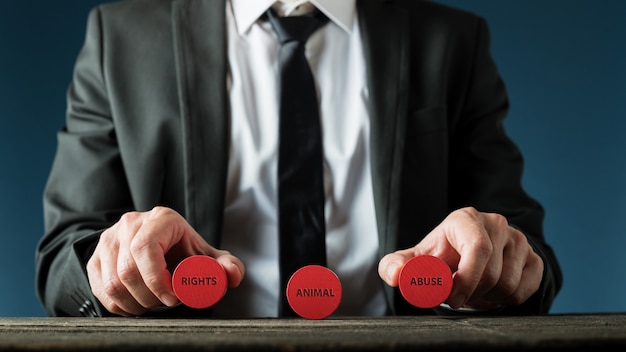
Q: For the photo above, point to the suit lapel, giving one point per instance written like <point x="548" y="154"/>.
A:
<point x="199" y="33"/>
<point x="385" y="33"/>
<point x="199" y="43"/>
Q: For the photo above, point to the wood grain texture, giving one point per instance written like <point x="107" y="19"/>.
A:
<point x="426" y="333"/>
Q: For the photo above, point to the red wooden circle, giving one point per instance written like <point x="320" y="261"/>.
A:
<point x="425" y="281"/>
<point x="199" y="281"/>
<point x="314" y="292"/>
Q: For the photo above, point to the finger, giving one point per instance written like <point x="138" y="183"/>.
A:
<point x="104" y="282"/>
<point x="516" y="254"/>
<point x="161" y="229"/>
<point x="517" y="285"/>
<point x="114" y="289"/>
<point x="528" y="284"/>
<point x="127" y="271"/>
<point x="530" y="281"/>
<point x="504" y="266"/>
<point x="97" y="288"/>
<point x="390" y="265"/>
<point x="506" y="262"/>
<point x="117" y="299"/>
<point x="131" y="278"/>
<point x="508" y="280"/>
<point x="234" y="267"/>
<point x="468" y="236"/>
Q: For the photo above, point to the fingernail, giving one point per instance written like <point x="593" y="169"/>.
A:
<point x="169" y="300"/>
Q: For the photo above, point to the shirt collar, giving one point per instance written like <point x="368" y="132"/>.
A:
<point x="246" y="12"/>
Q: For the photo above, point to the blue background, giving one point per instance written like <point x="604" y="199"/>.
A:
<point x="564" y="62"/>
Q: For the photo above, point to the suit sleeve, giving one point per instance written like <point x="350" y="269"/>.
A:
<point x="86" y="190"/>
<point x="487" y="168"/>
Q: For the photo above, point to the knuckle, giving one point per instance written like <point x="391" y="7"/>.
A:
<point x="519" y="238"/>
<point x="127" y="271"/>
<point x="93" y="264"/>
<point x="522" y="294"/>
<point x="507" y="287"/>
<point x="152" y="281"/>
<point x="483" y="247"/>
<point x="499" y="220"/>
<point x="113" y="288"/>
<point x="138" y="244"/>
<point x="107" y="238"/>
<point x="490" y="278"/>
<point x="129" y="218"/>
<point x="223" y="252"/>
<point x="470" y="212"/>
<point x="114" y="308"/>
<point x="161" y="211"/>
<point x="535" y="261"/>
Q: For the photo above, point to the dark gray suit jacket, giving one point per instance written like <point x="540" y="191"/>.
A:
<point x="148" y="124"/>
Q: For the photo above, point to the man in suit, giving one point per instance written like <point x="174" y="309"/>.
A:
<point x="169" y="151"/>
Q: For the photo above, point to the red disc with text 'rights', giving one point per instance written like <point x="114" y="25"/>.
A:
<point x="199" y="281"/>
<point x="425" y="281"/>
<point x="314" y="292"/>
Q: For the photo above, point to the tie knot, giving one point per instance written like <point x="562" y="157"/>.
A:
<point x="295" y="28"/>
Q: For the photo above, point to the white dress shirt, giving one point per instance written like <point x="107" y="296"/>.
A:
<point x="250" y="217"/>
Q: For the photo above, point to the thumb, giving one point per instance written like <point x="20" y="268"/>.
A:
<point x="390" y="265"/>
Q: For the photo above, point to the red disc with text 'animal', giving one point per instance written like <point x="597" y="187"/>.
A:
<point x="314" y="292"/>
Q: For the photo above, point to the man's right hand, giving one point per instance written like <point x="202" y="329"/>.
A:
<point x="130" y="269"/>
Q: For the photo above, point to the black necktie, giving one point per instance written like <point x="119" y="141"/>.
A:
<point x="300" y="161"/>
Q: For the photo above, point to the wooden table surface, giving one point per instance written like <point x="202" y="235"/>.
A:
<point x="425" y="333"/>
